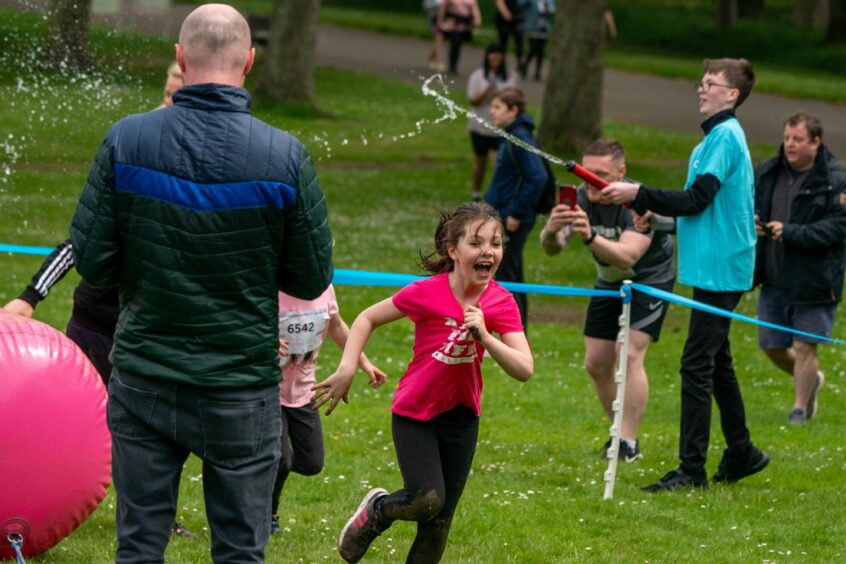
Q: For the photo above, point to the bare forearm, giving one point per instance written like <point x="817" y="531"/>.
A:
<point x="517" y="364"/>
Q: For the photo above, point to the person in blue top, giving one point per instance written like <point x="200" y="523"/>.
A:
<point x="518" y="182"/>
<point x="716" y="243"/>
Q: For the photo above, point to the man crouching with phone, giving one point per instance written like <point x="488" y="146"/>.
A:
<point x="620" y="252"/>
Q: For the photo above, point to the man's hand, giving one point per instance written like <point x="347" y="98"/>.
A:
<point x="620" y="193"/>
<point x="776" y="228"/>
<point x="511" y="224"/>
<point x="759" y="227"/>
<point x="579" y="220"/>
<point x="19" y="307"/>
<point x="643" y="222"/>
<point x="557" y="218"/>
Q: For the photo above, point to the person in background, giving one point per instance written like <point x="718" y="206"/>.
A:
<point x="482" y="86"/>
<point x="620" y="252"/>
<point x="435" y="59"/>
<point x="801" y="227"/>
<point x="517" y="185"/>
<point x="508" y="18"/>
<point x="456" y="20"/>
<point x="303" y="327"/>
<point x="537" y="25"/>
<point x="715" y="229"/>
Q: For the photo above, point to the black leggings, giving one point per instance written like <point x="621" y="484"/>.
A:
<point x="302" y="446"/>
<point x="456" y="40"/>
<point x="434" y="457"/>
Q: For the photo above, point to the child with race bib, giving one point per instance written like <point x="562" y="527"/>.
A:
<point x="303" y="326"/>
<point x="437" y="404"/>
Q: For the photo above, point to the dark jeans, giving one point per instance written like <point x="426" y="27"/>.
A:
<point x="96" y="346"/>
<point x="511" y="267"/>
<point x="155" y="425"/>
<point x="707" y="370"/>
<point x="302" y="446"/>
<point x="434" y="457"/>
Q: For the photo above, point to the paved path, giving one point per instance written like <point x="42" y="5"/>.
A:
<point x="630" y="97"/>
<point x="627" y="96"/>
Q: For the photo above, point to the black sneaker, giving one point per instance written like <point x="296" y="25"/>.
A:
<point x="731" y="470"/>
<point x="180" y="530"/>
<point x="675" y="480"/>
<point x="362" y="528"/>
<point x="796" y="416"/>
<point x="628" y="454"/>
<point x="274" y="524"/>
<point x="811" y="408"/>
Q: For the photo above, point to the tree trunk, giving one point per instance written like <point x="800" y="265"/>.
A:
<point x="726" y="13"/>
<point x="288" y="74"/>
<point x="572" y="101"/>
<point x="750" y="8"/>
<point x="837" y="22"/>
<point x="67" y="34"/>
<point x="813" y="13"/>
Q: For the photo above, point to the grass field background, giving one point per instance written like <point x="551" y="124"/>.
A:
<point x="535" y="493"/>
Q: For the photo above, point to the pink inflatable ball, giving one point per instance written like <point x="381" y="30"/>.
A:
<point x="55" y="452"/>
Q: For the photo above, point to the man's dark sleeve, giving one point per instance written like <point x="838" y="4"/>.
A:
<point x="677" y="203"/>
<point x="830" y="231"/>
<point x="53" y="269"/>
<point x="305" y="269"/>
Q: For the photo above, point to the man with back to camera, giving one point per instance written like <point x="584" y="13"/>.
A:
<point x="801" y="227"/>
<point x="620" y="252"/>
<point x="715" y="231"/>
<point x="200" y="213"/>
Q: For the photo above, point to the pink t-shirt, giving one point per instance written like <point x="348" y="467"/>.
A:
<point x="304" y="324"/>
<point x="446" y="370"/>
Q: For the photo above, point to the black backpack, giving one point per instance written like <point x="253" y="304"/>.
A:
<point x="546" y="201"/>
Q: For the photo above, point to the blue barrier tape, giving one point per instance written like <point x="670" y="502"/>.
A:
<point x="626" y="293"/>
<point x="25" y="250"/>
<point x="372" y="278"/>
<point x="687" y="302"/>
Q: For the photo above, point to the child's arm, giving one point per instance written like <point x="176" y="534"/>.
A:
<point x="336" y="387"/>
<point x="340" y="332"/>
<point x="512" y="353"/>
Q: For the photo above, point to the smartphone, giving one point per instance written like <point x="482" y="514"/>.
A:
<point x="567" y="196"/>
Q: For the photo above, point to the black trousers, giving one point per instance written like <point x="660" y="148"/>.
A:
<point x="536" y="47"/>
<point x="434" y="457"/>
<point x="511" y="267"/>
<point x="506" y="29"/>
<point x="707" y="370"/>
<point x="302" y="447"/>
<point x="96" y="346"/>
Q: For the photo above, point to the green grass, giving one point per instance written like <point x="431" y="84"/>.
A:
<point x="535" y="494"/>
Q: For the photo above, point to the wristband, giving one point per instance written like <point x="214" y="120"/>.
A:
<point x="590" y="239"/>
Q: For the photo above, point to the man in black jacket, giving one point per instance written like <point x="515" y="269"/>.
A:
<point x="801" y="226"/>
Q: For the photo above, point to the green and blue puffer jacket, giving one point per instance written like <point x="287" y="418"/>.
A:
<point x="199" y="213"/>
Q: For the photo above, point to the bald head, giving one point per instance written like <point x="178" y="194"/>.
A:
<point x="214" y="40"/>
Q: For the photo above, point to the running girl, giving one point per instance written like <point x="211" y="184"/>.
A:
<point x="303" y="326"/>
<point x="437" y="403"/>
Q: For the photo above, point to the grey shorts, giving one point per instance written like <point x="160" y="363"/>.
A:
<point x="815" y="319"/>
